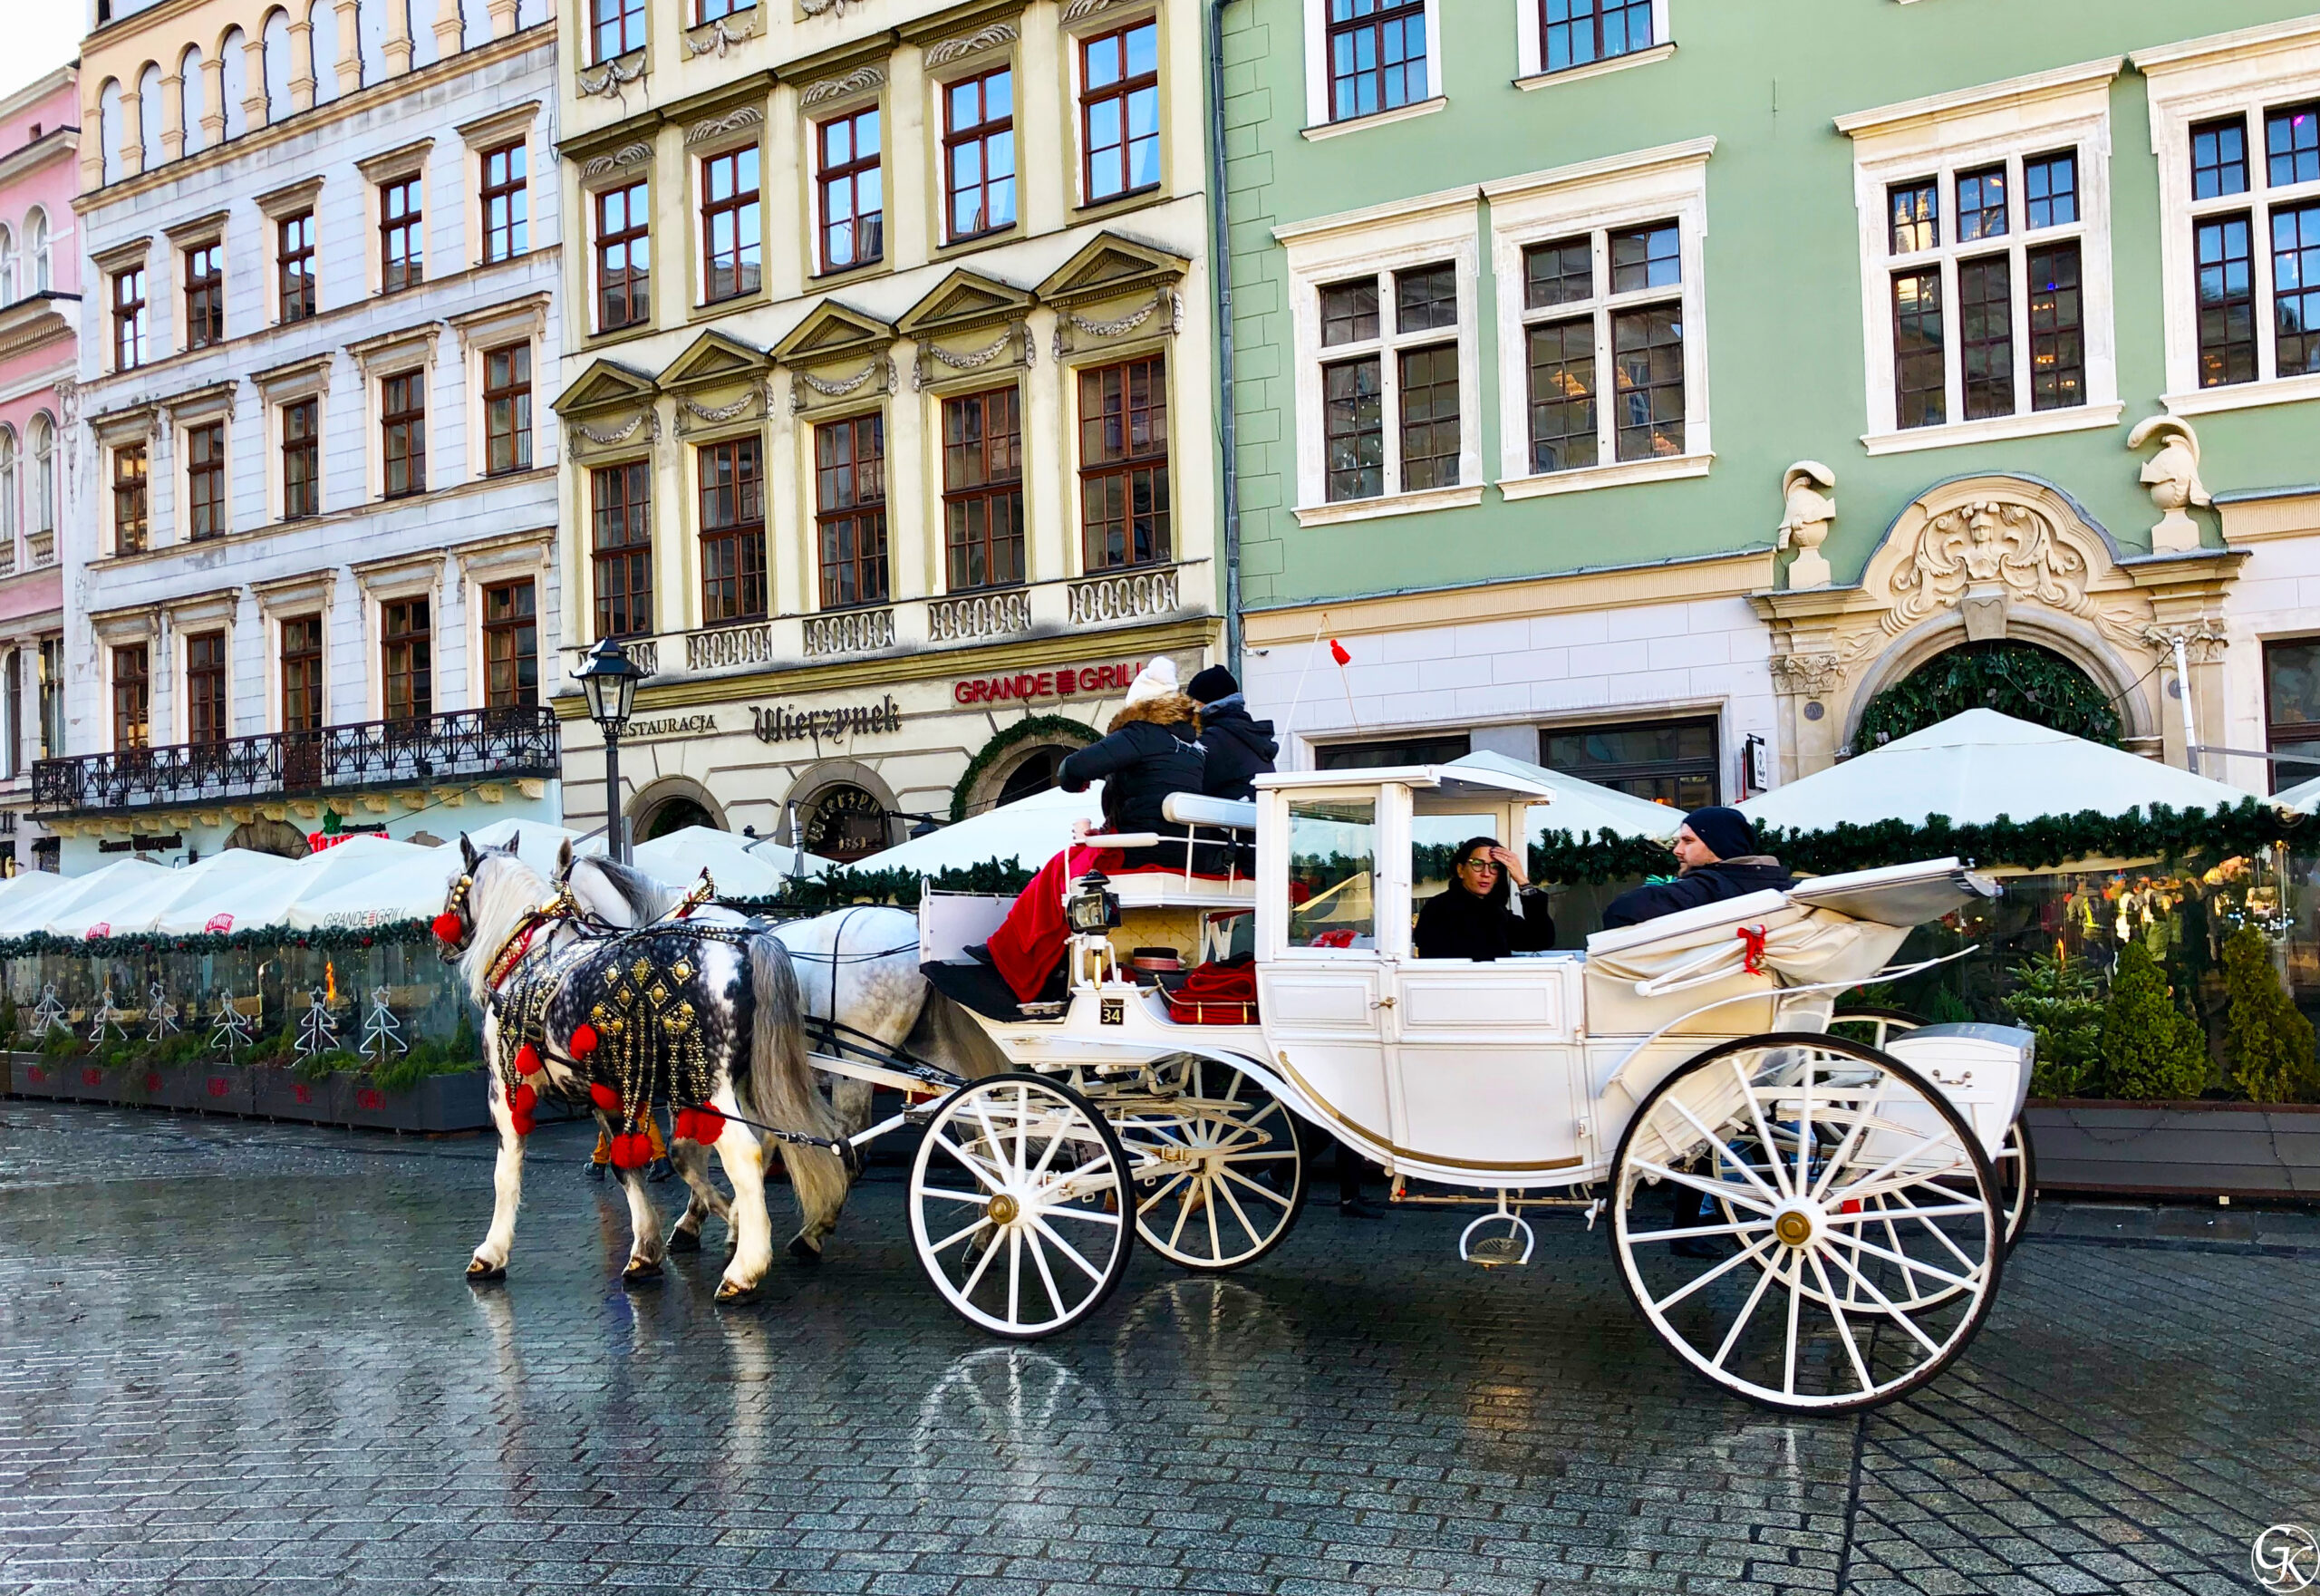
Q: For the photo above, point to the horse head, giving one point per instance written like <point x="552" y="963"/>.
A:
<point x="492" y="890"/>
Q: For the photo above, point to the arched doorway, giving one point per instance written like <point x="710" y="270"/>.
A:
<point x="674" y="815"/>
<point x="1035" y="773"/>
<point x="2011" y="677"/>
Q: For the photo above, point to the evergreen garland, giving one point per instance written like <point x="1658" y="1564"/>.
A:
<point x="2015" y="678"/>
<point x="2045" y="843"/>
<point x="1023" y="731"/>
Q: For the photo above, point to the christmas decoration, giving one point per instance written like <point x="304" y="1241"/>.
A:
<point x="2267" y="1042"/>
<point x="108" y="1017"/>
<point x="232" y="1028"/>
<point x="2061" y="1000"/>
<point x="48" y="1014"/>
<point x="161" y="1014"/>
<point x="2151" y="1050"/>
<point x="382" y="1039"/>
<point x="2015" y="678"/>
<point x="317" y="1028"/>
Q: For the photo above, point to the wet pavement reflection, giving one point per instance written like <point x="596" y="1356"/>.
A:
<point x="243" y="1357"/>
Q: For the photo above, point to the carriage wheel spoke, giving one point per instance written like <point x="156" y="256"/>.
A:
<point x="1844" y="1327"/>
<point x="988" y="1174"/>
<point x="974" y="1280"/>
<point x="1153" y="1201"/>
<point x="1217" y="1188"/>
<point x="981" y="1197"/>
<point x="1764" y="1132"/>
<point x="1092" y="1215"/>
<point x="956" y="1236"/>
<point x="1865" y="1215"/>
<point x="1874" y="1180"/>
<point x="1039" y="1223"/>
<point x="1722" y="1151"/>
<point x="1740" y="1228"/>
<point x="1266" y="1192"/>
<point x="1906" y="1322"/>
<point x="1843" y="1154"/>
<point x="1729" y="1193"/>
<point x="1747" y="1310"/>
<point x="1664" y="1303"/>
<point x="1917" y="1266"/>
<point x="1014" y="1276"/>
<point x="1047" y="1277"/>
<point x="1803" y="1180"/>
<point x="1795" y="1302"/>
<point x="1216" y="1242"/>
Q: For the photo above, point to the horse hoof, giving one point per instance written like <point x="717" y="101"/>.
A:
<point x="736" y="1295"/>
<point x="477" y="1269"/>
<point x="804" y="1251"/>
<point x="684" y="1240"/>
<point x="643" y="1271"/>
<point x="596" y="1170"/>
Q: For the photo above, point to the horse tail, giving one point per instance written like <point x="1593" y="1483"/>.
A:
<point x="781" y="1089"/>
<point x="945" y="1034"/>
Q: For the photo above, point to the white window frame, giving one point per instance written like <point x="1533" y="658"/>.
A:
<point x="1317" y="123"/>
<point x="2243" y="73"/>
<point x="1426" y="231"/>
<point x="1596" y="197"/>
<point x="1937" y="138"/>
<point x="1531" y="48"/>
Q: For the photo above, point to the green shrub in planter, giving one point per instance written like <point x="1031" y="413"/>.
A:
<point x="2061" y="1000"/>
<point x="2151" y="1050"/>
<point x="2267" y="1043"/>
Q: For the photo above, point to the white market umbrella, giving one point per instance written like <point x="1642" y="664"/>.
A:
<point x="209" y="895"/>
<point x="739" y="870"/>
<point x="535" y="841"/>
<point x="1977" y="766"/>
<point x="1030" y="831"/>
<point x="1584" y="807"/>
<point x="95" y="899"/>
<point x="2304" y="798"/>
<point x="18" y="892"/>
<point x="366" y="881"/>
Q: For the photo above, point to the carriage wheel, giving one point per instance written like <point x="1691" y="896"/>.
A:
<point x="1016" y="1200"/>
<point x="2017" y="1166"/>
<point x="1865" y="1239"/>
<point x="1220" y="1172"/>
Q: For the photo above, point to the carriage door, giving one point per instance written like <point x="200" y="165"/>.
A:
<point x="1484" y="1055"/>
<point x="1321" y="979"/>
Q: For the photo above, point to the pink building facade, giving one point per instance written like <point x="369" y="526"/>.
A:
<point x="39" y="307"/>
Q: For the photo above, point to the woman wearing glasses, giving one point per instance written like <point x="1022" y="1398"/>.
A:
<point x="1471" y="919"/>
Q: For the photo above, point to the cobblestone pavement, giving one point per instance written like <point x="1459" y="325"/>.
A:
<point x="241" y="1358"/>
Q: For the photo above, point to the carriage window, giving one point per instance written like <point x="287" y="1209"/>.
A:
<point x="1434" y="840"/>
<point x="1332" y="856"/>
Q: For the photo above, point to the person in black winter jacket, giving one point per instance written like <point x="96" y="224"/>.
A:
<point x="1469" y="919"/>
<point x="1240" y="747"/>
<point x="1717" y="850"/>
<point x="1151" y="749"/>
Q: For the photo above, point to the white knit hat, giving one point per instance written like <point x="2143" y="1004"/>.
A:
<point x="1155" y="681"/>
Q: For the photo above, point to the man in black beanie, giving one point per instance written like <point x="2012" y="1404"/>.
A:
<point x="1240" y="748"/>
<point x="1715" y="850"/>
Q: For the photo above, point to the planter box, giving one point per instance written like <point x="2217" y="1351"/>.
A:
<point x="2198" y="1149"/>
<point x="208" y="1088"/>
<point x="34" y="1075"/>
<point x="438" y="1103"/>
<point x="276" y="1093"/>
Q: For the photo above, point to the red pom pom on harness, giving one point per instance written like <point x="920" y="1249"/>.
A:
<point x="703" y="1125"/>
<point x="632" y="1151"/>
<point x="448" y="927"/>
<point x="520" y="1123"/>
<point x="522" y="1101"/>
<point x="528" y="1059"/>
<point x="583" y="1040"/>
<point x="605" y="1098"/>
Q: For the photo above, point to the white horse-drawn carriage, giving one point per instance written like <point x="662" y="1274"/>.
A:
<point x="1807" y="1219"/>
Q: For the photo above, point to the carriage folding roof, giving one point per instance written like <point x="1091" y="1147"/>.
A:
<point x="1891" y="895"/>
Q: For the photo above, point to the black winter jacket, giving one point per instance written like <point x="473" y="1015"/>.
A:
<point x="1710" y="883"/>
<point x="1238" y="749"/>
<point x="1149" y="754"/>
<point x="1457" y="924"/>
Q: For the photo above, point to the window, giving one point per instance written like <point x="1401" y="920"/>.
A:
<point x="710" y="10"/>
<point x="850" y="510"/>
<point x="1605" y="301"/>
<point x="1578" y="31"/>
<point x="205" y="480"/>
<point x="52" y="698"/>
<point x="402" y="246"/>
<point x="511" y="645"/>
<point x="1402" y="365"/>
<point x="2242" y="338"/>
<point x="302" y="460"/>
<point x="978" y="154"/>
<point x="620" y="517"/>
<point x="41" y="501"/>
<point x="730" y="236"/>
<point x="506" y="225"/>
<point x="302" y="674"/>
<point x="1371" y="755"/>
<point x="1377" y="56"/>
<point x="8" y="518"/>
<point x="407" y="657"/>
<point x="8" y="295"/>
<point x="507" y="409"/>
<point x="615" y="27"/>
<point x="2292" y="709"/>
<point x="733" y="532"/>
<point x="37" y="250"/>
<point x="129" y="318"/>
<point x="852" y="189"/>
<point x="1119" y="113"/>
<point x="1124" y="464"/>
<point x="623" y="258"/>
<point x="204" y="295"/>
<point x="133" y="697"/>
<point x="129" y="523"/>
<point x="402" y="433"/>
<point x="294" y="237"/>
<point x="1669" y="762"/>
<point x="2011" y="266"/>
<point x="206" y="715"/>
<point x="983" y="489"/>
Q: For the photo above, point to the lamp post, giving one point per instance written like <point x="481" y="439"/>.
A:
<point x="609" y="678"/>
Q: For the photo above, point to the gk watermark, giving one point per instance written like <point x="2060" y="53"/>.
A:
<point x="2286" y="1559"/>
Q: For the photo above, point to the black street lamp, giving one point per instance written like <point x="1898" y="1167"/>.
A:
<point x="609" y="678"/>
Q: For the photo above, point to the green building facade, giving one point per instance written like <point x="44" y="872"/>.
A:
<point x="1648" y="387"/>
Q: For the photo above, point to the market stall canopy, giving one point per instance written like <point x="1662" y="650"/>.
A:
<point x="1584" y="807"/>
<point x="535" y="841"/>
<point x="739" y="870"/>
<point x="95" y="899"/>
<point x="2304" y="798"/>
<point x="208" y="897"/>
<point x="1976" y="767"/>
<point x="18" y="892"/>
<point x="367" y="881"/>
<point x="1030" y="831"/>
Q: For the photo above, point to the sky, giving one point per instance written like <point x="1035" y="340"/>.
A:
<point x="42" y="35"/>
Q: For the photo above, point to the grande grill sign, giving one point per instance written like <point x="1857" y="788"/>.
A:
<point x="1063" y="682"/>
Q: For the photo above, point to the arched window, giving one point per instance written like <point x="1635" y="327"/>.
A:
<point x="43" y="497"/>
<point x="8" y="514"/>
<point x="36" y="251"/>
<point x="8" y="295"/>
<point x="322" y="21"/>
<point x="152" y="115"/>
<point x="232" y="53"/>
<point x="193" y="96"/>
<point x="278" y="71"/>
<point x="109" y="128"/>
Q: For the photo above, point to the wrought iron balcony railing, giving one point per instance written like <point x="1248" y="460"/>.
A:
<point x="461" y="745"/>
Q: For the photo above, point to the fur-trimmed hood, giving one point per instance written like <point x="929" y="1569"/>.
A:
<point x="1167" y="708"/>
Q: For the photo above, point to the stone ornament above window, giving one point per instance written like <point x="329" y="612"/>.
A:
<point x="723" y="34"/>
<point x="733" y="121"/>
<point x="853" y="82"/>
<point x="950" y="50"/>
<point x="626" y="155"/>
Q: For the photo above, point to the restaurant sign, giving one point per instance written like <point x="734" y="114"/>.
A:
<point x="780" y="723"/>
<point x="1062" y="683"/>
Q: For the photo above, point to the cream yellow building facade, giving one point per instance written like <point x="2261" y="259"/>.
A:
<point x="886" y="395"/>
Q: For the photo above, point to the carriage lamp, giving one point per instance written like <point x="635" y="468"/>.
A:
<point x="1093" y="907"/>
<point x="609" y="678"/>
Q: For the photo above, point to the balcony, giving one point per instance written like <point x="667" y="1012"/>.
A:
<point x="462" y="745"/>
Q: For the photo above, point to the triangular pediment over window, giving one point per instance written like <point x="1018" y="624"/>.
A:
<point x="1112" y="267"/>
<point x="963" y="301"/>
<point x="607" y="385"/>
<point x="713" y="359"/>
<point x="834" y="333"/>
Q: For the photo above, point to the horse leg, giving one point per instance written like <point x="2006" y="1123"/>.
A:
<point x="818" y="1177"/>
<point x="744" y="1160"/>
<point x="850" y="1099"/>
<point x="644" y="1225"/>
<point x="490" y="1260"/>
<point x="692" y="1163"/>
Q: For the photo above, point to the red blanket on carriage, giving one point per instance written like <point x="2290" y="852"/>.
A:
<point x="1027" y="947"/>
